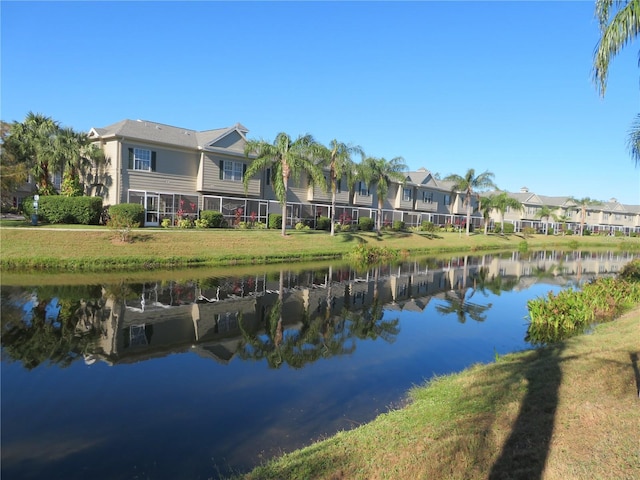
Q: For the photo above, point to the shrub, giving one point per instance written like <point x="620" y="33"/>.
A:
<point x="366" y="224"/>
<point x="201" y="223"/>
<point x="275" y="221"/>
<point x="398" y="226"/>
<point x="323" y="223"/>
<point x="550" y="231"/>
<point x="166" y="223"/>
<point x="631" y="271"/>
<point x="123" y="217"/>
<point x="508" y="228"/>
<point x="72" y="210"/>
<point x="214" y="219"/>
<point x="528" y="231"/>
<point x="185" y="223"/>
<point x="127" y="213"/>
<point x="618" y="233"/>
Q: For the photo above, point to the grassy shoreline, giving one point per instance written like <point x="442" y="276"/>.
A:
<point x="564" y="411"/>
<point x="39" y="249"/>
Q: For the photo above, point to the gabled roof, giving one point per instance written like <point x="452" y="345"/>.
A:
<point x="423" y="178"/>
<point x="167" y="134"/>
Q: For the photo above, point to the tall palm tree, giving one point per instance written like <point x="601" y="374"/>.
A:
<point x="337" y="157"/>
<point x="583" y="203"/>
<point x="500" y="202"/>
<point x="34" y="142"/>
<point x="545" y="212"/>
<point x="486" y="208"/>
<point x="382" y="172"/>
<point x="619" y="25"/>
<point x="287" y="159"/>
<point x="72" y="148"/>
<point x="469" y="184"/>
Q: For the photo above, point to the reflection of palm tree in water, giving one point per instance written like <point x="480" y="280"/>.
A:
<point x="458" y="302"/>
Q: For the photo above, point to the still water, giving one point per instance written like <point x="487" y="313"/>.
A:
<point x="203" y="377"/>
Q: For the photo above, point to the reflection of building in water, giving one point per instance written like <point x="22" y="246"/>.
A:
<point x="176" y="317"/>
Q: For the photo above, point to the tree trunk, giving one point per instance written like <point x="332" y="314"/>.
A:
<point x="332" y="214"/>
<point x="285" y="181"/>
<point x="468" y="216"/>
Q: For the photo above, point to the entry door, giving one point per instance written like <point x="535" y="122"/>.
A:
<point x="152" y="204"/>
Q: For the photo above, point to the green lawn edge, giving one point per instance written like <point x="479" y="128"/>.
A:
<point x="95" y="250"/>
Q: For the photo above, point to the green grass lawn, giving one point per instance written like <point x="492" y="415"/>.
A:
<point x="100" y="249"/>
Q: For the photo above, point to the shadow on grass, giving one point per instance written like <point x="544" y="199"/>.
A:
<point x="525" y="451"/>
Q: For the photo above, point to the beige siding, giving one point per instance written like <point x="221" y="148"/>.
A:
<point x="424" y="206"/>
<point x="209" y="177"/>
<point x="113" y="179"/>
<point x="400" y="202"/>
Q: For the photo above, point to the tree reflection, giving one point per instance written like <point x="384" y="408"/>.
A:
<point x="496" y="284"/>
<point x="37" y="330"/>
<point x="458" y="303"/>
<point x="326" y="335"/>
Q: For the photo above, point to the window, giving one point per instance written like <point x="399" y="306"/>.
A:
<point x="56" y="180"/>
<point x="447" y="199"/>
<point x="232" y="171"/>
<point x="142" y="159"/>
<point x="406" y="194"/>
<point x="363" y="189"/>
<point x="427" y="197"/>
<point x="268" y="179"/>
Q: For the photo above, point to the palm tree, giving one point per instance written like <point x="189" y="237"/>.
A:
<point x="545" y="212"/>
<point x="486" y="208"/>
<point x="501" y="202"/>
<point x="633" y="141"/>
<point x="287" y="159"/>
<point x="382" y="172"/>
<point x="619" y="25"/>
<point x="469" y="184"/>
<point x="13" y="172"/>
<point x="34" y="145"/>
<point x="337" y="157"/>
<point x="583" y="203"/>
<point x="74" y="150"/>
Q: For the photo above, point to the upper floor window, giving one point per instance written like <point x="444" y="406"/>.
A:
<point x="363" y="189"/>
<point x="406" y="194"/>
<point x="142" y="159"/>
<point x="447" y="199"/>
<point x="232" y="171"/>
<point x="427" y="197"/>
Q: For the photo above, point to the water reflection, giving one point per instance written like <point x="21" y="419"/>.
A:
<point x="292" y="318"/>
<point x="205" y="376"/>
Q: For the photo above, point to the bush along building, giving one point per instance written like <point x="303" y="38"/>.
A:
<point x="176" y="173"/>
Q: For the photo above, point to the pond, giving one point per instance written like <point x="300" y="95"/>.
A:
<point x="206" y="376"/>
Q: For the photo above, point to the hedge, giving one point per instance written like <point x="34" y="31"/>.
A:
<point x="70" y="210"/>
<point x="275" y="221"/>
<point x="130" y="213"/>
<point x="323" y="223"/>
<point x="366" y="223"/>
<point x="214" y="219"/>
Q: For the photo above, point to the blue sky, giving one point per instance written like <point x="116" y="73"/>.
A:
<point x="498" y="86"/>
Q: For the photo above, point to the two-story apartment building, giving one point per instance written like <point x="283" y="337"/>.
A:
<point x="566" y="214"/>
<point x="176" y="172"/>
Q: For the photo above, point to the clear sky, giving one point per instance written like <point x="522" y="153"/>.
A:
<point x="498" y="86"/>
